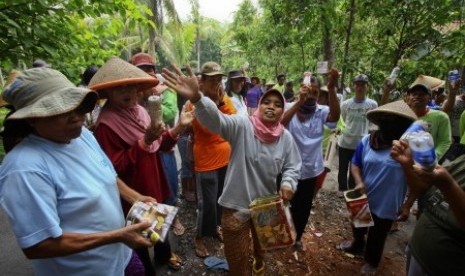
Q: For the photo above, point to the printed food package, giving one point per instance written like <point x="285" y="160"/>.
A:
<point x="160" y="215"/>
<point x="357" y="203"/>
<point x="272" y="222"/>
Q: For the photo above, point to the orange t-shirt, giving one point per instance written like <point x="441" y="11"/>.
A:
<point x="211" y="152"/>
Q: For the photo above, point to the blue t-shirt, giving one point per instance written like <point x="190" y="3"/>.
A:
<point x="48" y="189"/>
<point x="384" y="179"/>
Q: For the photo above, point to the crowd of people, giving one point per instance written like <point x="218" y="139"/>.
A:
<point x="78" y="157"/>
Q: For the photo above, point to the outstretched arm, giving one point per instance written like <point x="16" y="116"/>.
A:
<point x="334" y="106"/>
<point x="71" y="243"/>
<point x="420" y="180"/>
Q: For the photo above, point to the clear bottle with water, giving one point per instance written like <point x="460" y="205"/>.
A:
<point x="394" y="74"/>
<point x="453" y="77"/>
<point x="421" y="144"/>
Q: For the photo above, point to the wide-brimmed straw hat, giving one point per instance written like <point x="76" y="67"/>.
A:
<point x="397" y="108"/>
<point x="117" y="72"/>
<point x="44" y="92"/>
<point x="428" y="83"/>
<point x="324" y="88"/>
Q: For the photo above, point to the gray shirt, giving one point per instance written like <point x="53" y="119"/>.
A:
<point x="253" y="166"/>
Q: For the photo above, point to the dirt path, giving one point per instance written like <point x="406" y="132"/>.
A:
<point x="321" y="258"/>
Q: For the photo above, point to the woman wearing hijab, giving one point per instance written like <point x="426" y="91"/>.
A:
<point x="133" y="142"/>
<point x="260" y="149"/>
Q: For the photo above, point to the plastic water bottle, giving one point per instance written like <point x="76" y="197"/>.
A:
<point x="394" y="74"/>
<point x="421" y="144"/>
<point x="453" y="77"/>
<point x="422" y="147"/>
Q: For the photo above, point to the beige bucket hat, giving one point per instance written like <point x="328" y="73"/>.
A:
<point x="44" y="92"/>
<point x="398" y="108"/>
<point x="211" y="68"/>
<point x="117" y="72"/>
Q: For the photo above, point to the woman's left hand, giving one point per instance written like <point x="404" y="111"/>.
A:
<point x="186" y="117"/>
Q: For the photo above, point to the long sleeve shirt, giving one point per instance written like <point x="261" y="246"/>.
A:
<point x="253" y="166"/>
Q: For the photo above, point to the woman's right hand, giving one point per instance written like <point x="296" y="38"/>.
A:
<point x="186" y="86"/>
<point x="153" y="132"/>
<point x="132" y="237"/>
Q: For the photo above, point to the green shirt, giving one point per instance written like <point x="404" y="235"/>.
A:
<point x="439" y="128"/>
<point x="280" y="88"/>
<point x="169" y="106"/>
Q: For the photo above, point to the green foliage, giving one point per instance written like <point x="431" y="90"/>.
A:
<point x="421" y="36"/>
<point x="291" y="36"/>
<point x="68" y="34"/>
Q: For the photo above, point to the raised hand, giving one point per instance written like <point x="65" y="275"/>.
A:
<point x="186" y="117"/>
<point x="333" y="76"/>
<point x="186" y="86"/>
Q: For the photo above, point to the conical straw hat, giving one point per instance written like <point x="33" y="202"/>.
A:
<point x="117" y="72"/>
<point x="398" y="108"/>
<point x="429" y="83"/>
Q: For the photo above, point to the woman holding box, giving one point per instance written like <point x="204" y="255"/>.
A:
<point x="382" y="179"/>
<point x="132" y="141"/>
<point x="260" y="149"/>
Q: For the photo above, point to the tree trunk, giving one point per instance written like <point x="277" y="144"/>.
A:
<point x="328" y="46"/>
<point x="347" y="44"/>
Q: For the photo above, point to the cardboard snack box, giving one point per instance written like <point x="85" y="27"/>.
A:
<point x="272" y="222"/>
<point x="357" y="203"/>
<point x="160" y="215"/>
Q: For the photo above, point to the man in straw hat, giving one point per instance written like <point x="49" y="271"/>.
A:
<point x="211" y="159"/>
<point x="133" y="140"/>
<point x="437" y="122"/>
<point x="58" y="189"/>
<point x="382" y="179"/>
<point x="418" y="96"/>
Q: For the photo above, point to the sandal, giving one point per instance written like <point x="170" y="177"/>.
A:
<point x="200" y="249"/>
<point x="178" y="228"/>
<point x="175" y="262"/>
<point x="260" y="271"/>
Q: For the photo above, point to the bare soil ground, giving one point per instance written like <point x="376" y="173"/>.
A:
<point x="321" y="257"/>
